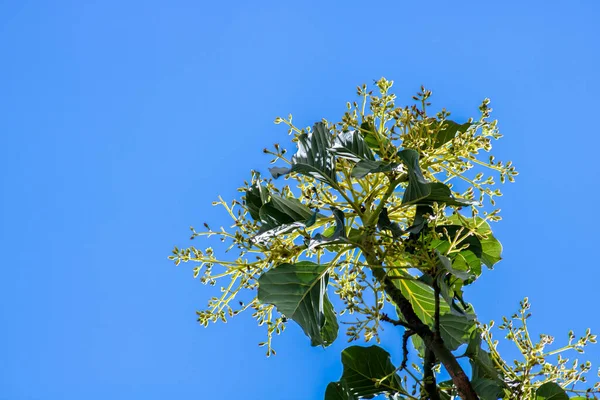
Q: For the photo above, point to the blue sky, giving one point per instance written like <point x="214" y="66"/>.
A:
<point x="121" y="121"/>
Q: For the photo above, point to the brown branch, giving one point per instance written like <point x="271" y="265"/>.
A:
<point x="429" y="382"/>
<point x="435" y="344"/>
<point x="384" y="317"/>
<point x="407" y="334"/>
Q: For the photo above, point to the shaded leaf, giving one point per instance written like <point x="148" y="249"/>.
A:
<point x="362" y="367"/>
<point x="474" y="245"/>
<point x="282" y="215"/>
<point x="365" y="167"/>
<point x="419" y="191"/>
<point x="456" y="330"/>
<point x="550" y="391"/>
<point x="299" y="292"/>
<point x="447" y="265"/>
<point x="420" y="222"/>
<point x="312" y="158"/>
<point x="256" y="196"/>
<point x="487" y="389"/>
<point x="448" y="131"/>
<point x="384" y="223"/>
<point x="338" y="233"/>
<point x="338" y="391"/>
<point x="351" y="145"/>
<point x="418" y="187"/>
<point x="487" y="380"/>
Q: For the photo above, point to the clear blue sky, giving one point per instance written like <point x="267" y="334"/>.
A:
<point x="121" y="121"/>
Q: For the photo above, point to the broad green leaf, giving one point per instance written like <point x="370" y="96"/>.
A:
<point x="440" y="193"/>
<point x="256" y="196"/>
<point x="448" y="131"/>
<point x="292" y="207"/>
<point x="455" y="330"/>
<point x="474" y="244"/>
<point x="487" y="389"/>
<point x="551" y="391"/>
<point x="365" y="167"/>
<point x="299" y="291"/>
<point x="448" y="265"/>
<point x="384" y="223"/>
<point x="491" y="248"/>
<point x="362" y="367"/>
<point x="421" y="297"/>
<point x="466" y="260"/>
<point x="420" y="222"/>
<point x="419" y="191"/>
<point x="338" y="391"/>
<point x="486" y="379"/>
<point x="418" y="187"/>
<point x="446" y="283"/>
<point x="338" y="233"/>
<point x="351" y="145"/>
<point x="312" y="158"/>
<point x="282" y="215"/>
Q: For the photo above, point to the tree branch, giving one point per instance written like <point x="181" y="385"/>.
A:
<point x="429" y="382"/>
<point x="435" y="344"/>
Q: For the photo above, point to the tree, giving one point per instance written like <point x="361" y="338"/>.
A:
<point x="389" y="211"/>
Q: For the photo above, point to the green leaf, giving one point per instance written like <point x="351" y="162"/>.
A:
<point x="365" y="167"/>
<point x="440" y="193"/>
<point x="338" y="391"/>
<point x="299" y="291"/>
<point x="474" y="245"/>
<point x="256" y="196"/>
<point x="455" y="330"/>
<point x="486" y="379"/>
<point x="362" y="367"/>
<point x="550" y="391"/>
<point x="419" y="191"/>
<point x="384" y="223"/>
<point x="352" y="146"/>
<point x="419" y="222"/>
<point x="338" y="233"/>
<point x="466" y="260"/>
<point x="447" y="265"/>
<point x="491" y="248"/>
<point x="292" y="207"/>
<point x="282" y="215"/>
<point x="487" y="389"/>
<point x="448" y="131"/>
<point x="418" y="187"/>
<point x="312" y="158"/>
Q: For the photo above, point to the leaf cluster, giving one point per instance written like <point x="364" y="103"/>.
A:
<point x="387" y="211"/>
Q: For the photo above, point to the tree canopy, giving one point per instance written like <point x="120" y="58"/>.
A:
<point x="382" y="218"/>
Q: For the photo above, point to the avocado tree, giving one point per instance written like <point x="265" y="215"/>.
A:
<point x="384" y="218"/>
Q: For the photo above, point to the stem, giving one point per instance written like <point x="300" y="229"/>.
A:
<point x="435" y="344"/>
<point x="430" y="385"/>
